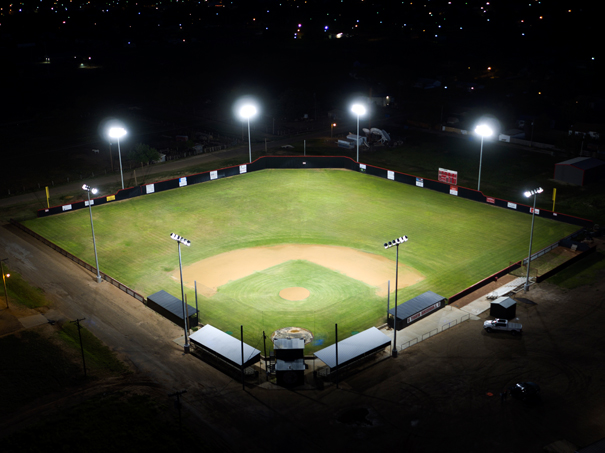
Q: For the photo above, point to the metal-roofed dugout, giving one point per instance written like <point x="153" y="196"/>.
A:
<point x="415" y="309"/>
<point x="225" y="346"/>
<point x="172" y="308"/>
<point x="354" y="348"/>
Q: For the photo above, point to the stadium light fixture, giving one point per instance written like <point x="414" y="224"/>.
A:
<point x="94" y="191"/>
<point x="117" y="133"/>
<point x="4" y="277"/>
<point x="181" y="240"/>
<point x="387" y="245"/>
<point x="359" y="110"/>
<point x="484" y="131"/>
<point x="528" y="194"/>
<point x="246" y="112"/>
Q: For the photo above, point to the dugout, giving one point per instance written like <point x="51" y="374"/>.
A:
<point x="225" y="347"/>
<point x="172" y="308"/>
<point x="415" y="309"/>
<point x="354" y="348"/>
<point x="503" y="307"/>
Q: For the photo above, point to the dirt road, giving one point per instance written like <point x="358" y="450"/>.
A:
<point x="440" y="395"/>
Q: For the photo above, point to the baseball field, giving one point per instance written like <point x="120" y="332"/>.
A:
<point x="299" y="248"/>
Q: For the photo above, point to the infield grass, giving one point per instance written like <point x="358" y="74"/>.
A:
<point x="453" y="242"/>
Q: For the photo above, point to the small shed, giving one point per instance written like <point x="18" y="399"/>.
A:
<point x="503" y="307"/>
<point x="580" y="171"/>
<point x="415" y="309"/>
<point x="172" y="308"/>
<point x="289" y="361"/>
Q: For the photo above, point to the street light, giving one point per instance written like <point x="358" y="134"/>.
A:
<point x="483" y="131"/>
<point x="387" y="245"/>
<point x="118" y="132"/>
<point x="89" y="189"/>
<point x="246" y="112"/>
<point x="358" y="109"/>
<point x="528" y="194"/>
<point x="4" y="277"/>
<point x="332" y="128"/>
<point x="181" y="240"/>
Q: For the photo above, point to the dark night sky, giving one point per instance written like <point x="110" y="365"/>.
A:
<point x="181" y="56"/>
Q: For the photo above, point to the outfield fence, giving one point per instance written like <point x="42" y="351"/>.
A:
<point x="301" y="162"/>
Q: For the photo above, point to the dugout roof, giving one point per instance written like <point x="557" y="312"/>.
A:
<point x="358" y="345"/>
<point x="227" y="347"/>
<point x="415" y="305"/>
<point x="171" y="304"/>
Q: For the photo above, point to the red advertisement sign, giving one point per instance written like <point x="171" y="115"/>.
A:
<point x="424" y="312"/>
<point x="490" y="200"/>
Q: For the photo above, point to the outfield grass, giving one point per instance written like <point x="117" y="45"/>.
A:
<point x="453" y="242"/>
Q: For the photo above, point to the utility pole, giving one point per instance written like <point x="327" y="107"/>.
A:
<point x="77" y="321"/>
<point x="178" y="404"/>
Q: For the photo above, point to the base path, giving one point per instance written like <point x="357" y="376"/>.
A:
<point x="374" y="270"/>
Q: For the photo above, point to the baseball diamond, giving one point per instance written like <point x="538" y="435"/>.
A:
<point x="255" y="235"/>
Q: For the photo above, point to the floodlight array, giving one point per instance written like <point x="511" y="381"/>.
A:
<point x="180" y="239"/>
<point x="484" y="130"/>
<point x="395" y="242"/>
<point x="529" y="193"/>
<point x="117" y="132"/>
<point x="90" y="189"/>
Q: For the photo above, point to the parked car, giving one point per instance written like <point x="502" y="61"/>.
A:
<point x="525" y="391"/>
<point x="503" y="324"/>
<point x="287" y="147"/>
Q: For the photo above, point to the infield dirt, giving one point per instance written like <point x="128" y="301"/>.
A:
<point x="374" y="270"/>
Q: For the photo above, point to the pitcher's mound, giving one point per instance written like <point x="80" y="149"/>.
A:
<point x="294" y="293"/>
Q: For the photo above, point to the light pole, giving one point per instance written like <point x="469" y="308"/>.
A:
<point x="4" y="277"/>
<point x="117" y="132"/>
<point x="332" y="128"/>
<point x="89" y="189"/>
<point x="483" y="131"/>
<point x="181" y="240"/>
<point x="246" y="112"/>
<point x="387" y="245"/>
<point x="528" y="194"/>
<point x="358" y="109"/>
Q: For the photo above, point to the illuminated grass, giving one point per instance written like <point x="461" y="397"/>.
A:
<point x="453" y="242"/>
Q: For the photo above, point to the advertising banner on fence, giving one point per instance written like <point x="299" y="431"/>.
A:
<point x="453" y="190"/>
<point x="419" y="182"/>
<point x="511" y="205"/>
<point x="391" y="175"/>
<point x="66" y="207"/>
<point x="86" y="203"/>
<point x="213" y="174"/>
<point x="531" y="210"/>
<point x="150" y="188"/>
<point x="183" y="181"/>
<point x="424" y="312"/>
<point x="243" y="169"/>
<point x="490" y="200"/>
